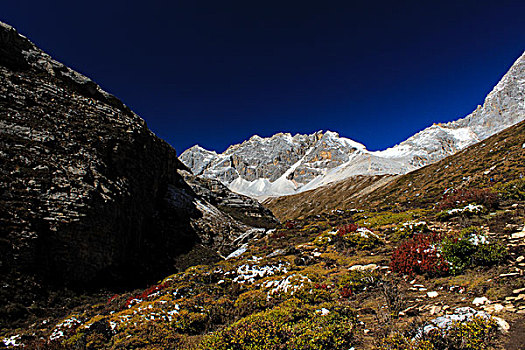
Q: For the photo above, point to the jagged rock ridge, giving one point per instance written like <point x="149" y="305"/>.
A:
<point x="89" y="196"/>
<point x="284" y="164"/>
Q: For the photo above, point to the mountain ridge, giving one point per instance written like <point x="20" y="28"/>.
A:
<point x="338" y="157"/>
<point x="91" y="198"/>
<point x="497" y="158"/>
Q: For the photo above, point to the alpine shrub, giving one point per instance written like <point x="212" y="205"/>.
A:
<point x="420" y="255"/>
<point x="514" y="189"/>
<point x="486" y="197"/>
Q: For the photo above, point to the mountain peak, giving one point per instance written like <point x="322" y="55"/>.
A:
<point x="282" y="164"/>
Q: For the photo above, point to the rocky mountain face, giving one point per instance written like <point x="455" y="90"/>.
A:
<point x="89" y="196"/>
<point x="284" y="164"/>
<point x="277" y="165"/>
<point x="498" y="158"/>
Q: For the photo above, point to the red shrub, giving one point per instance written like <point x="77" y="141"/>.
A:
<point x="321" y="286"/>
<point x="110" y="300"/>
<point x="419" y="256"/>
<point x="278" y="234"/>
<point x="343" y="230"/>
<point x="289" y="225"/>
<point x="346" y="292"/>
<point x="146" y="293"/>
<point x="485" y="197"/>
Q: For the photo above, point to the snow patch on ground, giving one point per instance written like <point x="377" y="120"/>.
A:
<point x="13" y="341"/>
<point x="250" y="273"/>
<point x="290" y="284"/>
<point x="238" y="252"/>
<point x="471" y="208"/>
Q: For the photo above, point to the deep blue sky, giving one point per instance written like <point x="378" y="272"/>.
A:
<point x="216" y="72"/>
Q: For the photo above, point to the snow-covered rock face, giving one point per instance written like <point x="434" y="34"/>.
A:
<point x="504" y="106"/>
<point x="277" y="165"/>
<point x="284" y="164"/>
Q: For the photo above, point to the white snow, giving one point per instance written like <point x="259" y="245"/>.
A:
<point x="13" y="341"/>
<point x="472" y="208"/>
<point x="67" y="323"/>
<point x="366" y="233"/>
<point x="249" y="273"/>
<point x="478" y="239"/>
<point x="207" y="208"/>
<point x="262" y="188"/>
<point x="238" y="252"/>
<point x="291" y="284"/>
<point x="323" y="311"/>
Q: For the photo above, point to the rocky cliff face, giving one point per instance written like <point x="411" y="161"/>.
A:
<point x="89" y="196"/>
<point x="277" y="165"/>
<point x="503" y="107"/>
<point x="282" y="164"/>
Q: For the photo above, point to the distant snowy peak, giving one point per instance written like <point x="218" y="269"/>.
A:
<point x="284" y="164"/>
<point x="197" y="158"/>
<point x="504" y="106"/>
<point x="430" y="145"/>
<point x="274" y="165"/>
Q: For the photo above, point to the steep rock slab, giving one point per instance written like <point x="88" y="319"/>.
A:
<point x="89" y="196"/>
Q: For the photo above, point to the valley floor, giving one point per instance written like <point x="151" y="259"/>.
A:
<point x="448" y="277"/>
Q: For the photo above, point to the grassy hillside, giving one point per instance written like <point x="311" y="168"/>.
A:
<point x="340" y="194"/>
<point x="498" y="159"/>
<point x="433" y="260"/>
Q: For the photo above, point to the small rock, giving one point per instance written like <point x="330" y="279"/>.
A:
<point x="520" y="258"/>
<point x="275" y="253"/>
<point x="493" y="308"/>
<point x="503" y="325"/>
<point x="509" y="274"/>
<point x="432" y="294"/>
<point x="480" y="301"/>
<point x="518" y="235"/>
<point x="363" y="267"/>
<point x="323" y="311"/>
<point x="410" y="311"/>
<point x="435" y="309"/>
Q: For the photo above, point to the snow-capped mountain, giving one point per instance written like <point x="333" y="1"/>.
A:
<point x="284" y="164"/>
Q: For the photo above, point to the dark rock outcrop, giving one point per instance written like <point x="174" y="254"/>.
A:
<point x="242" y="208"/>
<point x="89" y="196"/>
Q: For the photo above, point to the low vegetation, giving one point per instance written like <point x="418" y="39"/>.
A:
<point x="374" y="279"/>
